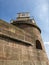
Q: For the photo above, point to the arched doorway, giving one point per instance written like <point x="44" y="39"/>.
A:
<point x="38" y="45"/>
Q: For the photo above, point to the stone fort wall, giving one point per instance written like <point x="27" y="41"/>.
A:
<point x="18" y="48"/>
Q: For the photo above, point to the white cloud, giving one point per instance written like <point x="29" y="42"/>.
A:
<point x="46" y="43"/>
<point x="47" y="48"/>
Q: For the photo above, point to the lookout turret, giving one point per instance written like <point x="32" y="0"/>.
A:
<point x="29" y="25"/>
<point x="24" y="22"/>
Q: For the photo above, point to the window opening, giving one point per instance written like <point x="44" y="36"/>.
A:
<point x="38" y="45"/>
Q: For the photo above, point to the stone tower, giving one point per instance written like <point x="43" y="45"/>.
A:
<point x="21" y="42"/>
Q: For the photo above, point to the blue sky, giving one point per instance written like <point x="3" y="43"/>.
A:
<point x="37" y="8"/>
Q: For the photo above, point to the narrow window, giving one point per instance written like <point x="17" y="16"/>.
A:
<point x="38" y="45"/>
